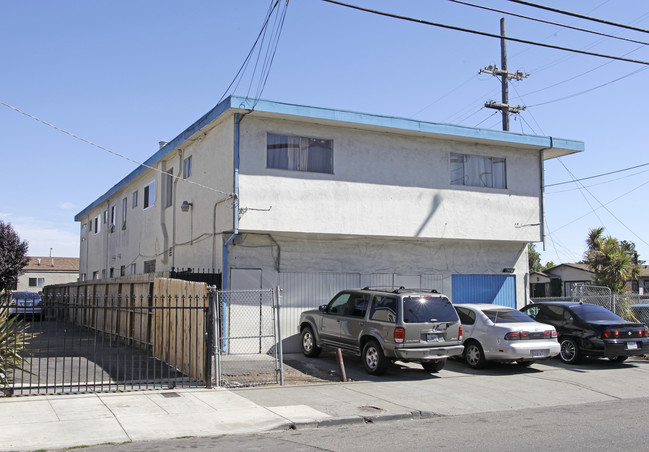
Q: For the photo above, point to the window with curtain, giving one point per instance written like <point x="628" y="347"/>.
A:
<point x="478" y="171"/>
<point x="299" y="153"/>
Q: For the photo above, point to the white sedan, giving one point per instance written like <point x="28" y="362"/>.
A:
<point x="499" y="333"/>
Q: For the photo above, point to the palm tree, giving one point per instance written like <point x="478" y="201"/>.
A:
<point x="611" y="262"/>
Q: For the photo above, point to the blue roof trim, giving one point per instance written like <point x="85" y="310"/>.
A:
<point x="242" y="103"/>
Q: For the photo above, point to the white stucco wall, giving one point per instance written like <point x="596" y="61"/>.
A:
<point x="385" y="185"/>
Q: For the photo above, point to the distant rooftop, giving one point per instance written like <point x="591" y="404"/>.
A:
<point x="47" y="263"/>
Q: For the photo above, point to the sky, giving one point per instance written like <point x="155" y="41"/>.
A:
<point x="126" y="75"/>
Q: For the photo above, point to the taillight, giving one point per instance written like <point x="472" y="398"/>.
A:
<point x="608" y="334"/>
<point x="399" y="335"/>
<point x="549" y="334"/>
<point x="525" y="335"/>
<point x="646" y="332"/>
<point x="512" y="336"/>
<point x="460" y="335"/>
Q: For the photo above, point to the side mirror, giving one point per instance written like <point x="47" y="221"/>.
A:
<point x="323" y="308"/>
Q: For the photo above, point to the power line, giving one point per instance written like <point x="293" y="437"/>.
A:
<point x="587" y="90"/>
<point x="585" y="30"/>
<point x="580" y="16"/>
<point x="598" y="184"/>
<point x="483" y="33"/>
<point x="598" y="175"/>
<point x="229" y="195"/>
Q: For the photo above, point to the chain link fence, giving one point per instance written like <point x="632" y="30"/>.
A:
<point x="632" y="307"/>
<point x="249" y="348"/>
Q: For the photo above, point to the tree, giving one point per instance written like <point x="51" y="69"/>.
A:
<point x="534" y="259"/>
<point x="613" y="262"/>
<point x="13" y="256"/>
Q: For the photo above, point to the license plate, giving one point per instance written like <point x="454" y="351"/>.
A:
<point x="432" y="337"/>
<point x="539" y="353"/>
<point x="631" y="345"/>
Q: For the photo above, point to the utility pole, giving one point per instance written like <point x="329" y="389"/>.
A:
<point x="505" y="76"/>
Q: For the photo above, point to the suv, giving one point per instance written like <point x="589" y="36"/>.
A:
<point x="384" y="325"/>
<point x="590" y="330"/>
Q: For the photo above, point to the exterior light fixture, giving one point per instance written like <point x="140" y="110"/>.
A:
<point x="508" y="270"/>
<point x="185" y="206"/>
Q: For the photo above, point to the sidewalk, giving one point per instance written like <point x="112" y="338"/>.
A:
<point x="54" y="422"/>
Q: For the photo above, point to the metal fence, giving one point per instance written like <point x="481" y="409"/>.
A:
<point x="249" y="348"/>
<point x="87" y="342"/>
<point x="105" y="343"/>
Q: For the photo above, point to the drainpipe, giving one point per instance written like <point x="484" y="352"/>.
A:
<point x="542" y="206"/>
<point x="173" y="206"/>
<point x="235" y="209"/>
<point x="237" y="122"/>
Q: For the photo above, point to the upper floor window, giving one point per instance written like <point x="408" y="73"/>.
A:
<point x="299" y="153"/>
<point x="478" y="171"/>
<point x="187" y="167"/>
<point x="134" y="202"/>
<point x="113" y="217"/>
<point x="124" y="211"/>
<point x="149" y="195"/>
<point x="168" y="185"/>
<point x="97" y="225"/>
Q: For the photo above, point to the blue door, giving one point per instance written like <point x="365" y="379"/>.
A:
<point x="494" y="289"/>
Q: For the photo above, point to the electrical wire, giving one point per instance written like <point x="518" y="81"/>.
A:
<point x="585" y="30"/>
<point x="597" y="175"/>
<point x="580" y="16"/>
<point x="179" y="178"/>
<point x="483" y="33"/>
<point x="598" y="184"/>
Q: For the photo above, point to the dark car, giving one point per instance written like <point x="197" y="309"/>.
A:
<point x="591" y="330"/>
<point x="384" y="325"/>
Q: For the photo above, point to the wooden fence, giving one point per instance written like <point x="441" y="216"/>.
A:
<point x="167" y="317"/>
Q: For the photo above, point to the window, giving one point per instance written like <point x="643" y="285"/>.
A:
<point x="97" y="224"/>
<point x="124" y="210"/>
<point x="105" y="216"/>
<point x="428" y="309"/>
<point x="103" y="273"/>
<point x="149" y="195"/>
<point x="384" y="309"/>
<point x="169" y="188"/>
<point x="83" y="276"/>
<point x="36" y="282"/>
<point x="478" y="171"/>
<point x="299" y="153"/>
<point x="134" y="203"/>
<point x="337" y="305"/>
<point x="113" y="218"/>
<point x="149" y="266"/>
<point x="95" y="275"/>
<point x="187" y="167"/>
<point x="467" y="316"/>
<point x="122" y="270"/>
<point x="133" y="268"/>
<point x="112" y="272"/>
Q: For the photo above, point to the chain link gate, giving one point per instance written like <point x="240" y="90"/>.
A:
<point x="598" y="295"/>
<point x="248" y="347"/>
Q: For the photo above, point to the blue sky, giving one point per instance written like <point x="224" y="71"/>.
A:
<point x="126" y="75"/>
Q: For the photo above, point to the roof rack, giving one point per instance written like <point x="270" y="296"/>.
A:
<point x="399" y="290"/>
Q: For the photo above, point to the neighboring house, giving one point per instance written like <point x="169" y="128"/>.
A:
<point x="314" y="200"/>
<point x="43" y="271"/>
<point x="571" y="275"/>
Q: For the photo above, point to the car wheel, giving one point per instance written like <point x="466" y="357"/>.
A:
<point x="524" y="363"/>
<point x="309" y="346"/>
<point x="618" y="359"/>
<point x="373" y="358"/>
<point x="474" y="356"/>
<point x="433" y="365"/>
<point x="570" y="353"/>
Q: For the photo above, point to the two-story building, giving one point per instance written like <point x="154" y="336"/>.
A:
<point x="315" y="200"/>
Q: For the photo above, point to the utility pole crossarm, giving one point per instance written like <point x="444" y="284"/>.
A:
<point x="500" y="106"/>
<point x="493" y="70"/>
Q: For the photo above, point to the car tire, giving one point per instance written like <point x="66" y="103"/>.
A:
<point x="433" y="365"/>
<point x="570" y="353"/>
<point x="474" y="355"/>
<point x="374" y="360"/>
<point x="618" y="359"/>
<point x="309" y="346"/>
<point x="525" y="363"/>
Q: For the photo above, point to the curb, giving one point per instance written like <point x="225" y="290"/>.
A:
<point x="358" y="420"/>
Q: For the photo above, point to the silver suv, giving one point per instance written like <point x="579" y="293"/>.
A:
<point x="384" y="325"/>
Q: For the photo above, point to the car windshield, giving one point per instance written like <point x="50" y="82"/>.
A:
<point x="593" y="313"/>
<point x="427" y="309"/>
<point x="502" y="316"/>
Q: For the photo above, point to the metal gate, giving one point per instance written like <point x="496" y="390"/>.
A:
<point x="103" y="343"/>
<point x="249" y="346"/>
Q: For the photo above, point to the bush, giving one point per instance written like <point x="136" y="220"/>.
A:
<point x="14" y="337"/>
